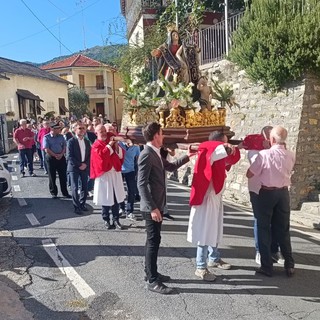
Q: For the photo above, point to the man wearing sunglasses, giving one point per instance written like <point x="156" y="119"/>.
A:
<point x="78" y="164"/>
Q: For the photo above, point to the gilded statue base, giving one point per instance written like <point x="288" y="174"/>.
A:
<point x="179" y="125"/>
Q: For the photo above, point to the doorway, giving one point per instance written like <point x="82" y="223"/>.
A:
<point x="100" y="109"/>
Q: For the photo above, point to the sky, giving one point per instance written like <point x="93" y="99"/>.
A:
<point x="39" y="30"/>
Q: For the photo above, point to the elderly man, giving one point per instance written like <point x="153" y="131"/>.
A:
<point x="253" y="143"/>
<point x="54" y="145"/>
<point x="273" y="167"/>
<point x="24" y="139"/>
<point x="105" y="168"/>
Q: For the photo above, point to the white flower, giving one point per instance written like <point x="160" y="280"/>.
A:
<point x="121" y="89"/>
<point x="197" y="106"/>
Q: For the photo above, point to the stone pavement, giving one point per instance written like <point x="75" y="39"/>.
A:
<point x="14" y="264"/>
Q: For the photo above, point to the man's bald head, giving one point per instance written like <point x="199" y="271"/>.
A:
<point x="278" y="134"/>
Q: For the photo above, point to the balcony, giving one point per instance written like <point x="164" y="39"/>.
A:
<point x="134" y="9"/>
<point x="98" y="90"/>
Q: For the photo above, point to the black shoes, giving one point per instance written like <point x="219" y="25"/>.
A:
<point x="67" y="196"/>
<point x="167" y="216"/>
<point x="264" y="272"/>
<point x="77" y="211"/>
<point x="109" y="226"/>
<point x="290" y="272"/>
<point x="161" y="278"/>
<point x="83" y="207"/>
<point x="54" y="196"/>
<point x="158" y="287"/>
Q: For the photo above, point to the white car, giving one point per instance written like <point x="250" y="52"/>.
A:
<point x="5" y="179"/>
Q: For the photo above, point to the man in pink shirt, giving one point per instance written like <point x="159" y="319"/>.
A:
<point x="273" y="167"/>
<point x="24" y="139"/>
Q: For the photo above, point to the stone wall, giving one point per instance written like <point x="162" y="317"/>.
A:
<point x="297" y="109"/>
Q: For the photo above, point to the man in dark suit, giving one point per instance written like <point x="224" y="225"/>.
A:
<point x="78" y="157"/>
<point x="152" y="189"/>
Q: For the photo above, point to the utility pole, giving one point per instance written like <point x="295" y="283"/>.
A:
<point x="226" y="9"/>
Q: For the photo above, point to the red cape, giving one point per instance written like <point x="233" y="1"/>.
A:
<point x="204" y="173"/>
<point x="101" y="161"/>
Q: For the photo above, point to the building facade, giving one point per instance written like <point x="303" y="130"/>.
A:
<point x="100" y="81"/>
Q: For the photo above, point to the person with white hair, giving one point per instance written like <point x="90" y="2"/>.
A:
<point x="273" y="167"/>
<point x="24" y="139"/>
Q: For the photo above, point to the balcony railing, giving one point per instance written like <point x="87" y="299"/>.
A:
<point x="98" y="90"/>
<point x="212" y="41"/>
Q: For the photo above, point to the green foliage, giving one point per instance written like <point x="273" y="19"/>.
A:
<point x="190" y="16"/>
<point x="78" y="101"/>
<point x="234" y="5"/>
<point x="278" y="41"/>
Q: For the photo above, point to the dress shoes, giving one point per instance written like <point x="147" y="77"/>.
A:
<point x="109" y="226"/>
<point x="290" y="272"/>
<point x="83" y="207"/>
<point x="158" y="287"/>
<point x="77" y="211"/>
<point x="264" y="272"/>
<point x="161" y="278"/>
<point x="117" y="225"/>
<point x="67" y="196"/>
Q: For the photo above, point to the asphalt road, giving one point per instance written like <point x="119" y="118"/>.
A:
<point x="79" y="270"/>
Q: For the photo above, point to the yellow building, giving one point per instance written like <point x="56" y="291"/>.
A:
<point x="100" y="81"/>
<point x="27" y="91"/>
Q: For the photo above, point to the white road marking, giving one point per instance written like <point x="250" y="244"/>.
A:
<point x="32" y="219"/>
<point x="14" y="177"/>
<point x="16" y="188"/>
<point x="22" y="202"/>
<point x="15" y="156"/>
<point x="82" y="287"/>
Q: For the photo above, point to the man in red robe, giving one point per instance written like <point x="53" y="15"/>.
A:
<point x="206" y="216"/>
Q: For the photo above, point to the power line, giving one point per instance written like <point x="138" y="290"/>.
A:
<point x="45" y="26"/>
<point x="34" y="34"/>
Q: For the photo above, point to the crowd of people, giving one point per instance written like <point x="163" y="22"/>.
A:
<point x="91" y="159"/>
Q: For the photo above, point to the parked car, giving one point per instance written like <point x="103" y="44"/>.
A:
<point x="5" y="179"/>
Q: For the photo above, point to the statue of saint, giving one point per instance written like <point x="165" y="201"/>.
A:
<point x="205" y="94"/>
<point x="171" y="58"/>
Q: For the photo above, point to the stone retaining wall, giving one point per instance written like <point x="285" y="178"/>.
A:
<point x="297" y="109"/>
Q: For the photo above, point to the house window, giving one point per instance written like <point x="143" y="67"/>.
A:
<point x="99" y="82"/>
<point x="62" y="107"/>
<point x="81" y="81"/>
<point x="63" y="76"/>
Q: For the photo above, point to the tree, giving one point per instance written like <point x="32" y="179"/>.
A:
<point x="278" y="41"/>
<point x="78" y="101"/>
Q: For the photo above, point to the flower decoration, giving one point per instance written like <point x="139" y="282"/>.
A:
<point x="224" y="94"/>
<point x="175" y="94"/>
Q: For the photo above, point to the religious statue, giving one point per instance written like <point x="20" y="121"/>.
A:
<point x="171" y="58"/>
<point x="205" y="94"/>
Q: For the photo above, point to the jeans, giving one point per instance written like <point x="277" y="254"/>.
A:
<point x="204" y="252"/>
<point x="26" y="159"/>
<point x="39" y="152"/>
<point x="274" y="210"/>
<point x="44" y="161"/>
<point x="75" y="176"/>
<point x="114" y="211"/>
<point x="130" y="178"/>
<point x="153" y="229"/>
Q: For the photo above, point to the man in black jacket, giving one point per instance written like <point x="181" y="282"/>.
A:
<point x="78" y="157"/>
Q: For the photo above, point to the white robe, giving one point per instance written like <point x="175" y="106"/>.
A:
<point x="106" y="186"/>
<point x="206" y="219"/>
